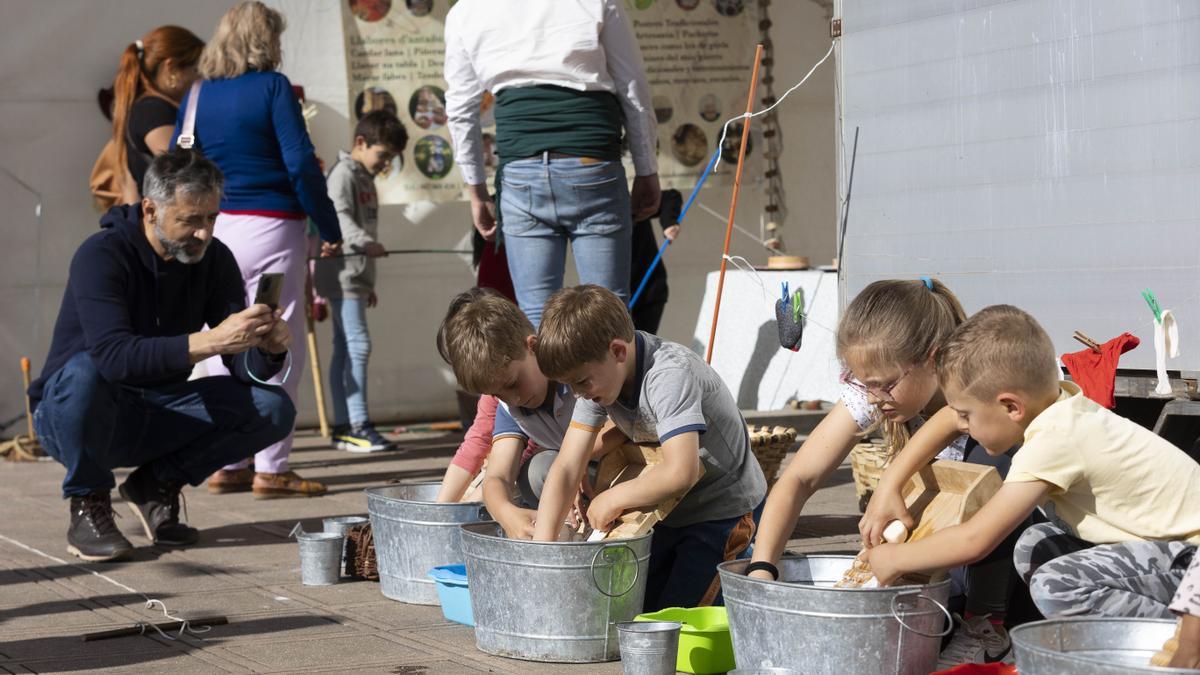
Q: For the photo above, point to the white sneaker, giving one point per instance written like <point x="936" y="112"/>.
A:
<point x="977" y="640"/>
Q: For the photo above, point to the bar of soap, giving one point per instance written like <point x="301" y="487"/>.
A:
<point x="895" y="533"/>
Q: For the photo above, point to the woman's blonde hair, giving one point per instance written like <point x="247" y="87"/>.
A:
<point x="897" y="323"/>
<point x="247" y="38"/>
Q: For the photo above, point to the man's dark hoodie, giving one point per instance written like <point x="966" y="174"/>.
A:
<point x="132" y="311"/>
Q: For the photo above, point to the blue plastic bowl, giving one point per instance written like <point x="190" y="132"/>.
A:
<point x="453" y="593"/>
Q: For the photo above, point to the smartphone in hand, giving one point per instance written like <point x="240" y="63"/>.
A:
<point x="270" y="285"/>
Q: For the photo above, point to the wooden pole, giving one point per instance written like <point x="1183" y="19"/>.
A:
<point x="318" y="383"/>
<point x="25" y="368"/>
<point x="737" y="183"/>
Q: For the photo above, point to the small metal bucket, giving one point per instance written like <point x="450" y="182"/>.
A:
<point x="764" y="671"/>
<point x="414" y="534"/>
<point x="803" y="622"/>
<point x="1091" y="646"/>
<point x="320" y="557"/>
<point x="555" y="602"/>
<point x="649" y="647"/>
<point x="342" y="525"/>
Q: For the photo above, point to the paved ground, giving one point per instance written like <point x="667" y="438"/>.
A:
<point x="247" y="569"/>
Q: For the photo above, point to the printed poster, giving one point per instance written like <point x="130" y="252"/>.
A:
<point x="698" y="55"/>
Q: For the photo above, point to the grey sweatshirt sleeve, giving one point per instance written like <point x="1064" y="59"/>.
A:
<point x="345" y="202"/>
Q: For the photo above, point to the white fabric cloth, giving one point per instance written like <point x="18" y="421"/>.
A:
<point x="586" y="45"/>
<point x="1166" y="344"/>
<point x="866" y="415"/>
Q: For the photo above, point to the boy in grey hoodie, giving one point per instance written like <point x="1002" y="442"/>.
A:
<point x="349" y="282"/>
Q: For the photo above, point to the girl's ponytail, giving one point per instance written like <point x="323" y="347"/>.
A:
<point x="127" y="86"/>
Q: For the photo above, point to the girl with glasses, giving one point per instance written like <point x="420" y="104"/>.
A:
<point x="886" y="340"/>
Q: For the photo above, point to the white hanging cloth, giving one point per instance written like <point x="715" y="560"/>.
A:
<point x="1166" y="345"/>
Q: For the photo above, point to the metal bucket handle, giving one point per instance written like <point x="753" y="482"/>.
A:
<point x="922" y="596"/>
<point x="637" y="570"/>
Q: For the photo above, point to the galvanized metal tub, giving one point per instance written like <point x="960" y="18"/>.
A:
<point x="413" y="534"/>
<point x="802" y="622"/>
<point x="1091" y="646"/>
<point x="552" y="601"/>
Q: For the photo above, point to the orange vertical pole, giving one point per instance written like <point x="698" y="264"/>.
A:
<point x="25" y="368"/>
<point x="737" y="184"/>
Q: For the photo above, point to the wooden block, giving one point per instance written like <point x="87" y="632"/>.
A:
<point x="941" y="495"/>
<point x="947" y="493"/>
<point x="627" y="463"/>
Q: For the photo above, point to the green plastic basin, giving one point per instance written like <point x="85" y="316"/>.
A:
<point x="704" y="643"/>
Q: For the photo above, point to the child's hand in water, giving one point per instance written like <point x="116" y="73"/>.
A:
<point x="517" y="522"/>
<point x="603" y="511"/>
<point x="884" y="507"/>
<point x="880" y="559"/>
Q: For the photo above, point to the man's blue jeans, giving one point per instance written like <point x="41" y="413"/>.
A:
<point x="183" y="431"/>
<point x="545" y="203"/>
<point x="348" y="366"/>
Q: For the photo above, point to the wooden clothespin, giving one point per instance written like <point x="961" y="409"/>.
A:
<point x="1087" y="341"/>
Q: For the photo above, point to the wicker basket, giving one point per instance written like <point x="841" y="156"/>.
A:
<point x="868" y="461"/>
<point x="770" y="446"/>
<point x="360" y="553"/>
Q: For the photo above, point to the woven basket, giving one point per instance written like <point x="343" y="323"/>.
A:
<point x="867" y="462"/>
<point x="770" y="446"/>
<point x="360" y="553"/>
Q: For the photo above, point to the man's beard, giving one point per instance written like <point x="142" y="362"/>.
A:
<point x="179" y="250"/>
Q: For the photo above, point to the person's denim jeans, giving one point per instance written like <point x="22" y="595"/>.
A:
<point x="183" y="431"/>
<point x="545" y="203"/>
<point x="348" y="365"/>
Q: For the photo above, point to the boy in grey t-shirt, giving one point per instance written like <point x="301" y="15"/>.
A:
<point x="655" y="391"/>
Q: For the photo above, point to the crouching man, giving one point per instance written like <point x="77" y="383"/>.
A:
<point x="115" y="391"/>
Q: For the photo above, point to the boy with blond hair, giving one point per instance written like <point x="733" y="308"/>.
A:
<point x="659" y="392"/>
<point x="1127" y="502"/>
<point x="488" y="342"/>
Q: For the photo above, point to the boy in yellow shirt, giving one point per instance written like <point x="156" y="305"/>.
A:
<point x="1127" y="502"/>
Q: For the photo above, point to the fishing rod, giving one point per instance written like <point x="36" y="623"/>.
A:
<point x="398" y="251"/>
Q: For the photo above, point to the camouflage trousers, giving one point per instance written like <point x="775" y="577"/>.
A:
<point x="1069" y="576"/>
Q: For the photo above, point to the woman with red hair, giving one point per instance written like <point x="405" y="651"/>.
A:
<point x="154" y="74"/>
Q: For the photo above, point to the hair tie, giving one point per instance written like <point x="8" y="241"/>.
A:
<point x="141" y="48"/>
<point x="928" y="281"/>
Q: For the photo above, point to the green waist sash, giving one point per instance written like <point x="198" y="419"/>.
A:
<point x="546" y="118"/>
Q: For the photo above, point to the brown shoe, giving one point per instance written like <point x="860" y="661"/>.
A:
<point x="276" y="485"/>
<point x="230" y="480"/>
